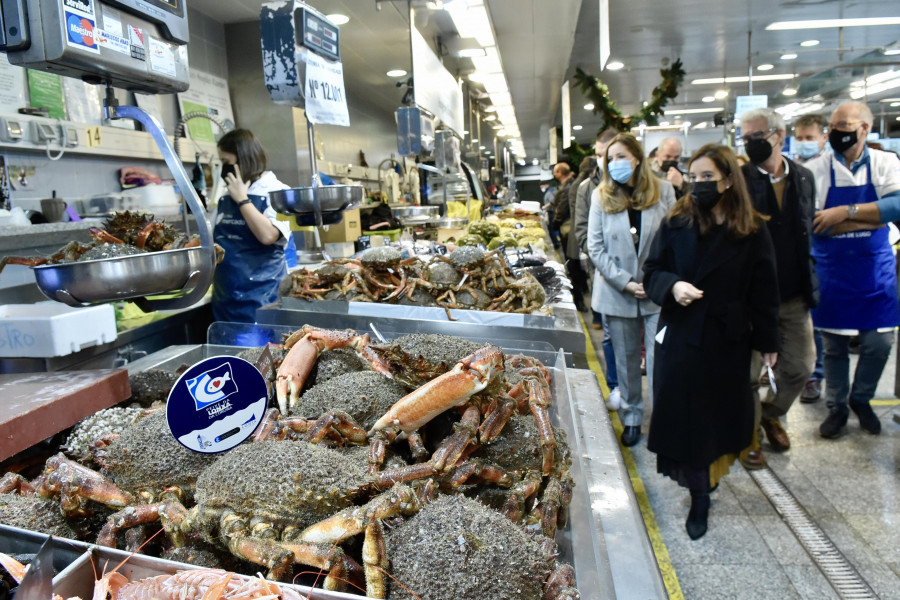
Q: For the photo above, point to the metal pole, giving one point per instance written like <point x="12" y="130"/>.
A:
<point x="750" y="62"/>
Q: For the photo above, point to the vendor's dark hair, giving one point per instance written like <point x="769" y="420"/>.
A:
<point x="251" y="156"/>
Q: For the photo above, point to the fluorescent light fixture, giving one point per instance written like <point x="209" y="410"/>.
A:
<point x="881" y="82"/>
<point x="828" y="23"/>
<point x="788" y="56"/>
<point x="765" y="67"/>
<point x="491" y="118"/>
<point x="572" y="138"/>
<point x="809" y="43"/>
<point x="490" y="108"/>
<point x="471" y="21"/>
<point x="495" y="83"/>
<point x="396" y="73"/>
<point x="466" y="132"/>
<point x="892" y="52"/>
<point x="898" y="119"/>
<point x="464" y="47"/>
<point x="577" y="128"/>
<point x="721" y="94"/>
<point x="588" y="106"/>
<point x="795" y="109"/>
<point x="469" y="52"/>
<point x="474" y="140"/>
<point x="503" y="102"/>
<point x="615" y="65"/>
<point x="789" y="91"/>
<point x="694" y="111"/>
<point x="741" y="79"/>
<point x="709" y="98"/>
<point x="481" y="147"/>
<point x="489" y="63"/>
<point x="476" y="77"/>
<point x="893" y="104"/>
<point x="337" y="18"/>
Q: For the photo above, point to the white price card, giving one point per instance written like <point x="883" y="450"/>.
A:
<point x="326" y="98"/>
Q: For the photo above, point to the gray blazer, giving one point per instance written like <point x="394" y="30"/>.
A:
<point x="612" y="251"/>
<point x="580" y="214"/>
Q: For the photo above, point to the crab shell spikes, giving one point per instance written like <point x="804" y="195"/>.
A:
<point x="469" y="376"/>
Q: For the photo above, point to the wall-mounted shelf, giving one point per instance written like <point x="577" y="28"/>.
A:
<point x="93" y="140"/>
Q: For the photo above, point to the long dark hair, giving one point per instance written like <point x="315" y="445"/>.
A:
<point x="740" y="216"/>
<point x="251" y="156"/>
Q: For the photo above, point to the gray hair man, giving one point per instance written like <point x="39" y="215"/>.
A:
<point x="785" y="192"/>
<point x="666" y="164"/>
<point x="858" y="191"/>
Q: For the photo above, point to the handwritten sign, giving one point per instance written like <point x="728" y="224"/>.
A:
<point x="326" y="98"/>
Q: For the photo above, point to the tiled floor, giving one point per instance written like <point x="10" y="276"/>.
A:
<point x="849" y="486"/>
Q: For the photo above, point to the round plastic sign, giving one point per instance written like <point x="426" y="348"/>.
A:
<point x="216" y="404"/>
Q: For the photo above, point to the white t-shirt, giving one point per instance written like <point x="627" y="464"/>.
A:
<point x="885" y="174"/>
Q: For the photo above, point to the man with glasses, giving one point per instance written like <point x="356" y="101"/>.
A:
<point x="858" y="190"/>
<point x="785" y="192"/>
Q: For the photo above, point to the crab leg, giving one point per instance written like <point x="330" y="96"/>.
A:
<point x="453" y="447"/>
<point x="340" y="422"/>
<point x="168" y="513"/>
<point x="400" y="499"/>
<point x="496" y="420"/>
<point x="475" y="469"/>
<point x="13" y="482"/>
<point x="514" y="509"/>
<point x="470" y="375"/>
<point x="76" y="483"/>
<point x="539" y="401"/>
<point x="375" y="560"/>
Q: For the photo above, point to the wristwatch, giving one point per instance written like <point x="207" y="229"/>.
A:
<point x="852" y="209"/>
<point x="248" y="201"/>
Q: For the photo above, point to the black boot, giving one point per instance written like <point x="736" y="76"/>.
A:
<point x="697" y="517"/>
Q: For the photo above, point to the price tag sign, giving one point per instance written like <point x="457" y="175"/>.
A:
<point x="93" y="137"/>
<point x="326" y="98"/>
<point x="363" y="242"/>
<point x="216" y="404"/>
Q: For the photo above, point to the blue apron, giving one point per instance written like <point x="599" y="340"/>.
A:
<point x="250" y="273"/>
<point x="857" y="273"/>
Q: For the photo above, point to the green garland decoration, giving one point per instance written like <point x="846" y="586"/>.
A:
<point x="597" y="92"/>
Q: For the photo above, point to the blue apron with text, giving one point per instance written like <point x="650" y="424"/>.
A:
<point x="250" y="273"/>
<point x="857" y="273"/>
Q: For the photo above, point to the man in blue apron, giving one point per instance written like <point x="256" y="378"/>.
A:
<point x="858" y="190"/>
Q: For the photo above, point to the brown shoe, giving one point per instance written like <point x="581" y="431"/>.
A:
<point x="775" y="433"/>
<point x="753" y="460"/>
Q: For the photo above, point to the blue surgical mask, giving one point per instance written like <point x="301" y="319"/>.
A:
<point x="807" y="149"/>
<point x="621" y="170"/>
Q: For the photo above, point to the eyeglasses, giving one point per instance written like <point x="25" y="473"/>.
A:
<point x="694" y="178"/>
<point x="844" y="125"/>
<point x="758" y="135"/>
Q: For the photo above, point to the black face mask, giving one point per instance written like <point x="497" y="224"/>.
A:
<point x="841" y="141"/>
<point x="705" y="194"/>
<point x="226" y="169"/>
<point x="666" y="165"/>
<point x="758" y="150"/>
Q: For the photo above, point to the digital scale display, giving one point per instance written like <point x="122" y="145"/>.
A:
<point x="318" y="34"/>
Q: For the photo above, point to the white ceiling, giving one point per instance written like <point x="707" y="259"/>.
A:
<point x="542" y="41"/>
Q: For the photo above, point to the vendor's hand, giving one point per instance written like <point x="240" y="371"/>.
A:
<point x="237" y="187"/>
<point x="825" y="219"/>
<point x="675" y="177"/>
<point x="769" y="359"/>
<point x="685" y="293"/>
<point x="636" y="289"/>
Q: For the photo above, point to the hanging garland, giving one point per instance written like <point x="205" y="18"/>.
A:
<point x="597" y="92"/>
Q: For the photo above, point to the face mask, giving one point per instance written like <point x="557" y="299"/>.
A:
<point x="758" y="150"/>
<point x="226" y="169"/>
<point x="841" y="141"/>
<point x="667" y="164"/>
<point x="621" y="170"/>
<point x="705" y="194"/>
<point x="807" y="149"/>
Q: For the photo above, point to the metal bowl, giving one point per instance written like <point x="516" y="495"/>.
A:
<point x="452" y="222"/>
<point x="332" y="198"/>
<point x="412" y="213"/>
<point x="122" y="278"/>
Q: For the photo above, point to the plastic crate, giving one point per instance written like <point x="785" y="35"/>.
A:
<point x="50" y="328"/>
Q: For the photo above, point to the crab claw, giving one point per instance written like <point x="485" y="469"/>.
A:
<point x="470" y="375"/>
<point x="75" y="483"/>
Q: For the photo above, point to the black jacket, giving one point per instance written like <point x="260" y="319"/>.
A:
<point x="800" y="200"/>
<point x="702" y="400"/>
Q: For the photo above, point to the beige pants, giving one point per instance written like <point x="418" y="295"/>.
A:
<point x="796" y="360"/>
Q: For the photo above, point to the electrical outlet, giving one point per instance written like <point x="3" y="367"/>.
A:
<point x="11" y="130"/>
<point x="41" y="133"/>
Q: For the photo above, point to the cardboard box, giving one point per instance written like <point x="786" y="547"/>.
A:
<point x="347" y="230"/>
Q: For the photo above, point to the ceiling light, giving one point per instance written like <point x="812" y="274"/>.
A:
<point x="663" y="123"/>
<point x="474" y="140"/>
<point x="788" y="56"/>
<point x="472" y="21"/>
<point x="588" y="106"/>
<point x="466" y="132"/>
<point x="892" y="52"/>
<point x="615" y="65"/>
<point x="740" y="79"/>
<point x="469" y="52"/>
<point x="464" y="47"/>
<point x="720" y="94"/>
<point x="337" y="18"/>
<point x="765" y="67"/>
<point x="481" y="147"/>
<point x="491" y="118"/>
<point x="686" y="124"/>
<point x="709" y="98"/>
<point x="898" y="118"/>
<point x="576" y="128"/>
<point x="477" y="77"/>
<point x="490" y="108"/>
<point x="789" y="91"/>
<point x="396" y="73"/>
<point x="535" y="162"/>
<point x="876" y="84"/>
<point x="826" y="23"/>
<point x="692" y="111"/>
<point x="809" y="43"/>
<point x="572" y="137"/>
<point x="892" y="104"/>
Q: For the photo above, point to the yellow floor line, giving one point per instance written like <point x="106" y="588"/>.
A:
<point x="893" y="402"/>
<point x="673" y="588"/>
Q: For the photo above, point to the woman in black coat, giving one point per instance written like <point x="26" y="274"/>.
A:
<point x="712" y="270"/>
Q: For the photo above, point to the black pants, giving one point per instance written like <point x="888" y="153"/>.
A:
<point x="579" y="279"/>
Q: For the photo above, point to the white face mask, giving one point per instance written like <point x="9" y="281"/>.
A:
<point x="807" y="149"/>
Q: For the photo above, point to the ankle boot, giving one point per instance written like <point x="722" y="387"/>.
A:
<point x="698" y="515"/>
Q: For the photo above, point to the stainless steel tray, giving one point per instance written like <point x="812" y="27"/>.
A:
<point x="404" y="212"/>
<point x="123" y="278"/>
<point x="452" y="223"/>
<point x="332" y="198"/>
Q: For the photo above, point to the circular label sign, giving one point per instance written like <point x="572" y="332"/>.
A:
<point x="216" y="404"/>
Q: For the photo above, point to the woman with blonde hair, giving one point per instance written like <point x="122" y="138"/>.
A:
<point x="626" y="211"/>
<point x="712" y="270"/>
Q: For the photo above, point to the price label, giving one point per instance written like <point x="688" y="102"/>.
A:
<point x="93" y="136"/>
<point x="363" y="242"/>
<point x="326" y="98"/>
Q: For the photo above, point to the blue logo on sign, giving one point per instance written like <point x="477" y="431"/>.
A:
<point x="212" y="386"/>
<point x="80" y="30"/>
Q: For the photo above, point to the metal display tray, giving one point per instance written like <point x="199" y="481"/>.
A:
<point x="332" y="198"/>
